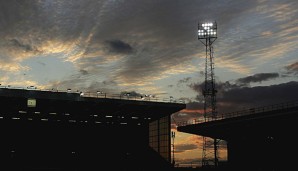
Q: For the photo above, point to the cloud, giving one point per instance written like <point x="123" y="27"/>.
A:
<point x="237" y="96"/>
<point x="118" y="46"/>
<point x="292" y="68"/>
<point x="84" y="72"/>
<point x="194" y="111"/>
<point x="245" y="41"/>
<point x="25" y="47"/>
<point x="257" y="78"/>
<point x="247" y="97"/>
<point x="183" y="81"/>
<point x="137" y="43"/>
<point x="76" y="82"/>
<point x="278" y="11"/>
<point x="179" y="148"/>
<point x="133" y="94"/>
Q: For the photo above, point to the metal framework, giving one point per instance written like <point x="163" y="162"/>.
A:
<point x="207" y="34"/>
<point x="173" y="149"/>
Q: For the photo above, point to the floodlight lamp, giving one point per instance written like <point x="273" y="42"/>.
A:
<point x="207" y="30"/>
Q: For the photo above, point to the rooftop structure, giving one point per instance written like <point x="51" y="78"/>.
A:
<point x="65" y="130"/>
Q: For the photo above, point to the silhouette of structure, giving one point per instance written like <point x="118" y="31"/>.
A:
<point x="257" y="139"/>
<point x="173" y="145"/>
<point x="207" y="34"/>
<point x="66" y="131"/>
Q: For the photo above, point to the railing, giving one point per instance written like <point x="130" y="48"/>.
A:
<point x="99" y="94"/>
<point x="188" y="165"/>
<point x="245" y="112"/>
<point x="131" y="97"/>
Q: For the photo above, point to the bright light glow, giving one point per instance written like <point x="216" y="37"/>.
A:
<point x="31" y="87"/>
<point x="31" y="103"/>
<point x="109" y="116"/>
<point x="206" y="30"/>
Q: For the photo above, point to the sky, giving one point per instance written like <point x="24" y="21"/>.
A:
<point x="152" y="47"/>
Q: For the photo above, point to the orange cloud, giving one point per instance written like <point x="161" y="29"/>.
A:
<point x="192" y="111"/>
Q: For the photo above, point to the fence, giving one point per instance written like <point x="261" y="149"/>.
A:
<point x="100" y="94"/>
<point x="249" y="111"/>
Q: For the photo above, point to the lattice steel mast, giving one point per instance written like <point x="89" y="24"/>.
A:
<point x="207" y="34"/>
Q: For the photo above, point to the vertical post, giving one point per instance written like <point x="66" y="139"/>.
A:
<point x="173" y="144"/>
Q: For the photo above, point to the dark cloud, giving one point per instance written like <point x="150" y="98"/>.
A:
<point x="292" y="68"/>
<point x="183" y="81"/>
<point x="257" y="78"/>
<point x="118" y="46"/>
<point x="219" y="86"/>
<point x="258" y="96"/>
<point x="78" y="83"/>
<point x="131" y="94"/>
<point x="198" y="87"/>
<point x="84" y="72"/>
<point x="232" y="97"/>
<point x="194" y="105"/>
<point x="25" y="47"/>
<point x="109" y="83"/>
<point x="223" y="87"/>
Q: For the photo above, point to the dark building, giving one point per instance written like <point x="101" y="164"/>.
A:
<point x="46" y="130"/>
<point x="257" y="139"/>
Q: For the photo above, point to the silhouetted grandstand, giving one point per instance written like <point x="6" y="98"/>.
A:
<point x="47" y="130"/>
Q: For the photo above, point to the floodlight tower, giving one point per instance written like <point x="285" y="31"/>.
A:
<point x="207" y="34"/>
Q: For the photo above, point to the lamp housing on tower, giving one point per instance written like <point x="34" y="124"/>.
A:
<point x="207" y="30"/>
